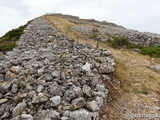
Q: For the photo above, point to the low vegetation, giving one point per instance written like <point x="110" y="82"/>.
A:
<point x="8" y="41"/>
<point x="119" y="42"/>
<point x="152" y="51"/>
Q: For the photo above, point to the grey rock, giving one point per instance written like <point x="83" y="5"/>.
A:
<point x="55" y="74"/>
<point x="1" y="77"/>
<point x="16" y="118"/>
<point x="62" y="75"/>
<point x="19" y="109"/>
<point x="3" y="101"/>
<point x="86" y="67"/>
<point x="5" y="115"/>
<point x="82" y="114"/>
<point x="78" y="91"/>
<point x="41" y="98"/>
<point x="56" y="90"/>
<point x="94" y="81"/>
<point x="40" y="88"/>
<point x="100" y="87"/>
<point x="26" y="117"/>
<point x="86" y="90"/>
<point x="14" y="88"/>
<point x="64" y="118"/>
<point x="16" y="69"/>
<point x="2" y="56"/>
<point x="70" y="93"/>
<point x="55" y="101"/>
<point x="101" y="94"/>
<point x="78" y="103"/>
<point x="46" y="114"/>
<point x="93" y="106"/>
<point x="40" y="71"/>
<point x="104" y="69"/>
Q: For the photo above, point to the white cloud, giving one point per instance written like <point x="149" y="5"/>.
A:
<point x="38" y="3"/>
<point x="10" y="18"/>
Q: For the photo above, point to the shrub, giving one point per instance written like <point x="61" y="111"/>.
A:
<point x="94" y="34"/>
<point x="152" y="51"/>
<point x="119" y="42"/>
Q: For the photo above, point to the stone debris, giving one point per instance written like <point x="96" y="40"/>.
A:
<point x="106" y="28"/>
<point x="48" y="76"/>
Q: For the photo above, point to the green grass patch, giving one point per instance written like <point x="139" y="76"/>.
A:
<point x="152" y="51"/>
<point x="119" y="42"/>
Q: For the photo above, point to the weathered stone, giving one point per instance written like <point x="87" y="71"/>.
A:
<point x="104" y="69"/>
<point x="41" y="98"/>
<point x="26" y="117"/>
<point x="100" y="87"/>
<point x="53" y="115"/>
<point x="55" y="74"/>
<point x="86" y="67"/>
<point x="16" y="118"/>
<point x="1" y="77"/>
<point x="78" y="91"/>
<point x="56" y="90"/>
<point x="14" y="88"/>
<point x="19" y="109"/>
<point x="55" y="101"/>
<point x="40" y="71"/>
<point x="93" y="106"/>
<point x="86" y="90"/>
<point x="70" y="93"/>
<point x="3" y="101"/>
<point x="78" y="103"/>
<point x="82" y="114"/>
<point x="5" y="115"/>
<point x="40" y="88"/>
<point x="2" y="56"/>
<point x="64" y="118"/>
<point x="16" y="69"/>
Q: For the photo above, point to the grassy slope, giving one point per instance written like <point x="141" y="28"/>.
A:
<point x="131" y="69"/>
<point x="8" y="41"/>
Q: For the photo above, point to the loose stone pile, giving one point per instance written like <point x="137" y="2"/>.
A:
<point x="136" y="37"/>
<point x="50" y="77"/>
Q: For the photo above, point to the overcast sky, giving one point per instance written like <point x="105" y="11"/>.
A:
<point x="142" y="15"/>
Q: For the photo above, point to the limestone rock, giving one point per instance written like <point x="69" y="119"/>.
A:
<point x="55" y="101"/>
<point x="41" y="98"/>
<point x="26" y="117"/>
<point x="78" y="103"/>
<point x="48" y="114"/>
<point x="105" y="69"/>
<point x="86" y="67"/>
<point x="19" y="109"/>
<point x="16" y="69"/>
<point x="86" y="90"/>
<point x="93" y="106"/>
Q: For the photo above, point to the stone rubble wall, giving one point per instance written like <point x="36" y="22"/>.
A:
<point x="48" y="76"/>
<point x="136" y="37"/>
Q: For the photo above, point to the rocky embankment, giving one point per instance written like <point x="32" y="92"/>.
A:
<point x="47" y="76"/>
<point x="105" y="28"/>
